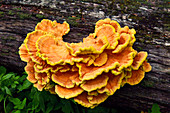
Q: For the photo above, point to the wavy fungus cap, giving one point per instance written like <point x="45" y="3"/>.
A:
<point x="89" y="71"/>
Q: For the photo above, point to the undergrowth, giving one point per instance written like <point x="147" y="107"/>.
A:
<point x="17" y="95"/>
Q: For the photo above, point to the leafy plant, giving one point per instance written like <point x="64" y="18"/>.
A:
<point x="10" y="84"/>
<point x="39" y="16"/>
<point x="155" y="109"/>
<point x="17" y="95"/>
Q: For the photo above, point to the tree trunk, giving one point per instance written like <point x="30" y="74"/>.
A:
<point x="16" y="20"/>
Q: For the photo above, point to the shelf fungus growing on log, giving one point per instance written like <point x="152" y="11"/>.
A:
<point x="89" y="71"/>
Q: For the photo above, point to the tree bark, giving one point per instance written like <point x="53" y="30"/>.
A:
<point x="16" y="20"/>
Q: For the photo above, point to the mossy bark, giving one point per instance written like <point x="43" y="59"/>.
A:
<point x="17" y="20"/>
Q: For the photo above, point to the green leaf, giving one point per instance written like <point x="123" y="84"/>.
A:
<point x="8" y="91"/>
<point x="98" y="110"/>
<point x="9" y="107"/>
<point x="37" y="110"/>
<point x="49" y="107"/>
<point x="24" y="73"/>
<point x="25" y="85"/>
<point x="17" y="77"/>
<point x="22" y="78"/>
<point x="149" y="111"/>
<point x="19" y="88"/>
<point x="33" y="92"/>
<point x="16" y="82"/>
<point x="3" y="89"/>
<point x="83" y="111"/>
<point x="58" y="106"/>
<point x="53" y="99"/>
<point x="29" y="106"/>
<point x="42" y="105"/>
<point x="1" y="96"/>
<point x="73" y="101"/>
<point x="76" y="109"/>
<point x="66" y="108"/>
<point x="17" y="111"/>
<point x="35" y="102"/>
<point x="15" y="101"/>
<point x="155" y="108"/>
<point x="2" y="71"/>
<point x="7" y="76"/>
<point x="114" y="110"/>
<point x="21" y="106"/>
<point x="13" y="85"/>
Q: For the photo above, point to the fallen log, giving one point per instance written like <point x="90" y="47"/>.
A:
<point x="17" y="20"/>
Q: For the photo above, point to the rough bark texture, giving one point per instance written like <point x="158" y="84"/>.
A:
<point x="16" y="20"/>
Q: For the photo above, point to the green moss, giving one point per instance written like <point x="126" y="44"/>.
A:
<point x="4" y="54"/>
<point x="3" y="38"/>
<point x="12" y="38"/>
<point x="17" y="8"/>
<point x="147" y="83"/>
<point x="73" y="21"/>
<point x="134" y="17"/>
<point x="167" y="27"/>
<point x="139" y="48"/>
<point x="10" y="12"/>
<point x="79" y="34"/>
<point x="4" y="50"/>
<point x="23" y="16"/>
<point x="17" y="53"/>
<point x="74" y="18"/>
<point x="1" y="14"/>
<point x="3" y="42"/>
<point x="8" y="38"/>
<point x="39" y="16"/>
<point x="141" y="40"/>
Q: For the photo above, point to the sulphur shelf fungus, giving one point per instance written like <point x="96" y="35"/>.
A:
<point x="89" y="71"/>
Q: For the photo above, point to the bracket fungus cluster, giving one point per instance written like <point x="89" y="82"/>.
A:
<point x="89" y="71"/>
